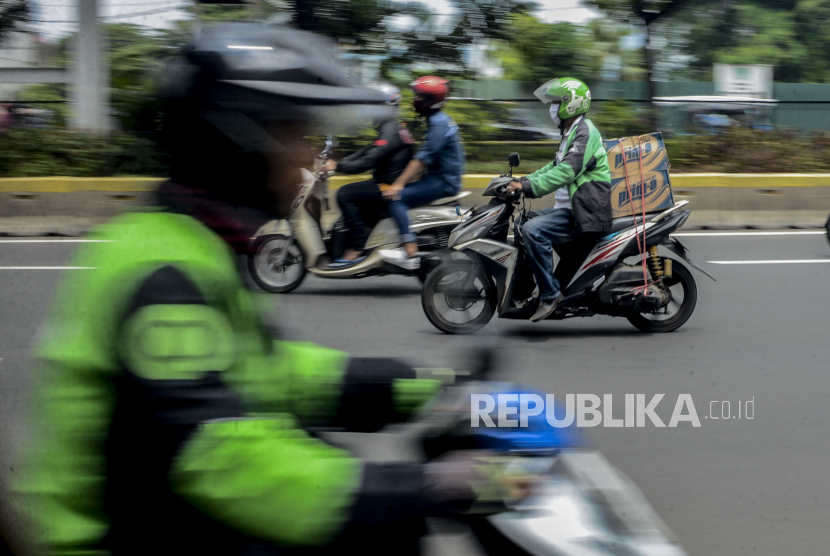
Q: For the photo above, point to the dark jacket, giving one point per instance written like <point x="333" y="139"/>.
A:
<point x="388" y="154"/>
<point x="584" y="171"/>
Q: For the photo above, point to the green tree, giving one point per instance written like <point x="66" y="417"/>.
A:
<point x="538" y="51"/>
<point x="135" y="54"/>
<point x="607" y="37"/>
<point x="363" y="27"/>
<point x="354" y="20"/>
<point x="12" y="12"/>
<point x="810" y="18"/>
<point x="790" y="36"/>
<point x="443" y="40"/>
<point x="646" y="12"/>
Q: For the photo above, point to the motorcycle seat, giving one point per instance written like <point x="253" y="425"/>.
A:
<point x="619" y="224"/>
<point x="450" y="200"/>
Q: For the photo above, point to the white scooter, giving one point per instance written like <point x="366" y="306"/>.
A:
<point x="285" y="250"/>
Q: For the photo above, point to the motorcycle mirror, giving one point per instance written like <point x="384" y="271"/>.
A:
<point x="514" y="160"/>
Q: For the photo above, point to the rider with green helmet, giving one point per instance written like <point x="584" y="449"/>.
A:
<point x="580" y="179"/>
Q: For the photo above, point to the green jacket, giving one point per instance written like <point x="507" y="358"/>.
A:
<point x="585" y="172"/>
<point x="171" y="419"/>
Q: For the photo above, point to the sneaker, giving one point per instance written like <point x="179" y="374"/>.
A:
<point x="343" y="263"/>
<point x="399" y="258"/>
<point x="546" y="308"/>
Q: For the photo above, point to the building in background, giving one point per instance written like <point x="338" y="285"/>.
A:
<point x="23" y="48"/>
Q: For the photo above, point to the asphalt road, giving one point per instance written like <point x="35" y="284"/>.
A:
<point x="733" y="486"/>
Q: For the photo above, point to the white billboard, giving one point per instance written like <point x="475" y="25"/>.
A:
<point x="746" y="81"/>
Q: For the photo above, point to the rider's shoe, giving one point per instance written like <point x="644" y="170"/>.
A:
<point x="343" y="263"/>
<point x="399" y="258"/>
<point x="546" y="308"/>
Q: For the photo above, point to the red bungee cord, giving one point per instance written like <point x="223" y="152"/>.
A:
<point x="640" y="247"/>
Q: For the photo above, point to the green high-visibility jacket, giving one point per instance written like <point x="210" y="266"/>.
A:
<point x="585" y="172"/>
<point x="172" y="423"/>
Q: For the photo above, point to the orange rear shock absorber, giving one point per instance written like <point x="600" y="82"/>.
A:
<point x="654" y="264"/>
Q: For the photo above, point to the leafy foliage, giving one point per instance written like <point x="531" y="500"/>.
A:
<point x="787" y="34"/>
<point x="11" y="13"/>
<point x="624" y="10"/>
<point x="134" y="56"/>
<point x="52" y="152"/>
<point x="743" y="149"/>
<point x="619" y="118"/>
<point x="538" y="52"/>
<point x="358" y="21"/>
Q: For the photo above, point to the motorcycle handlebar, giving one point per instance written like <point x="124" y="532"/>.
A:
<point x="515" y="195"/>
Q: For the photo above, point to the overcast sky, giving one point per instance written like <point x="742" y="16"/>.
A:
<point x="55" y="17"/>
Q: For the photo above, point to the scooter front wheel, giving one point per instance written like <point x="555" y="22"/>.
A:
<point x="459" y="297"/>
<point x="277" y="264"/>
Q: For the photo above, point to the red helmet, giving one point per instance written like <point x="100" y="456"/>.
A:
<point x="434" y="91"/>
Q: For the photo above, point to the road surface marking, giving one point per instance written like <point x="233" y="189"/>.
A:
<point x="790" y="261"/>
<point x="708" y="234"/>
<point x="56" y="240"/>
<point x="47" y="267"/>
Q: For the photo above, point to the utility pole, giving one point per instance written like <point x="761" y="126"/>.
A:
<point x="90" y="79"/>
<point x="649" y="16"/>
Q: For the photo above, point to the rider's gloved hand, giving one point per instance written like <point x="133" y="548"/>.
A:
<point x="475" y="481"/>
<point x="523" y="185"/>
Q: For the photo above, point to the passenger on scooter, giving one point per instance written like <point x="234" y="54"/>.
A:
<point x="437" y="167"/>
<point x="387" y="155"/>
<point x="581" y="180"/>
<point x="171" y="422"/>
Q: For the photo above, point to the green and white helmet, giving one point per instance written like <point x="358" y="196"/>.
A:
<point x="572" y="95"/>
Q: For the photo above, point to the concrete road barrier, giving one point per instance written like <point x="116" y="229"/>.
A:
<point x="69" y="206"/>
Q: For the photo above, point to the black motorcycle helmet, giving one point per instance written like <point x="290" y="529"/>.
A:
<point x="238" y="100"/>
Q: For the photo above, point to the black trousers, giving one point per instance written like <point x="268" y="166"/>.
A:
<point x="362" y="205"/>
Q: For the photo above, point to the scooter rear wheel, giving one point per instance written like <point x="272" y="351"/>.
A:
<point x="684" y="298"/>
<point x="277" y="264"/>
<point x="454" y="305"/>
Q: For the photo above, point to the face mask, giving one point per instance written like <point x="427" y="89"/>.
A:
<point x="554" y="115"/>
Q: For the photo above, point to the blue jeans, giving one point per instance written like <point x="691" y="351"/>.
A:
<point x="547" y="228"/>
<point x="421" y="192"/>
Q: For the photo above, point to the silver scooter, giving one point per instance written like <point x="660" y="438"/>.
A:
<point x="285" y="250"/>
<point x="487" y="274"/>
<point x="581" y="505"/>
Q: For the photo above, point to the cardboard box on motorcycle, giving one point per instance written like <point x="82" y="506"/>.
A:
<point x="650" y="151"/>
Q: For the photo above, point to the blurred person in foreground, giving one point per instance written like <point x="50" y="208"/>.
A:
<point x="435" y="171"/>
<point x="173" y="423"/>
<point x="386" y="156"/>
<point x="580" y="179"/>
